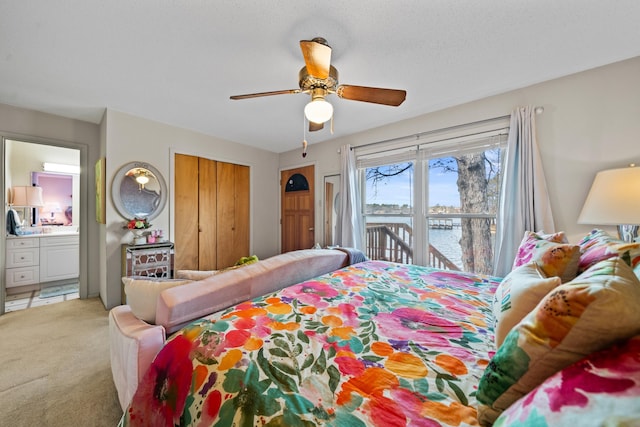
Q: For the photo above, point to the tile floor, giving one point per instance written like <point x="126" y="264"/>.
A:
<point x="32" y="299"/>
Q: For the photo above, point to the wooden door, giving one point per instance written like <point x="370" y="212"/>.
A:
<point x="297" y="209"/>
<point x="207" y="214"/>
<point x="211" y="213"/>
<point x="232" y="213"/>
<point x="186" y="212"/>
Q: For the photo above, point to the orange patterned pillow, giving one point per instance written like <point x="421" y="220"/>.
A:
<point x="551" y="253"/>
<point x="528" y="243"/>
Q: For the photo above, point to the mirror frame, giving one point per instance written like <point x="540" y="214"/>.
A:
<point x="117" y="183"/>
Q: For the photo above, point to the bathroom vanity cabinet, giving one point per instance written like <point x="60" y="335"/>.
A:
<point x="41" y="258"/>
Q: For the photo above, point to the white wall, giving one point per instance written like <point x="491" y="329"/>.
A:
<point x="590" y="123"/>
<point x="130" y="138"/>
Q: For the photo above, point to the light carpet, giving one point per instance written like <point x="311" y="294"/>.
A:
<point x="54" y="366"/>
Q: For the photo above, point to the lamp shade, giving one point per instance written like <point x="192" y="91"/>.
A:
<point x="26" y="196"/>
<point x="318" y="111"/>
<point x="614" y="198"/>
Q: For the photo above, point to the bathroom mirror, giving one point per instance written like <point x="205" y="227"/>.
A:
<point x="58" y="204"/>
<point x="139" y="191"/>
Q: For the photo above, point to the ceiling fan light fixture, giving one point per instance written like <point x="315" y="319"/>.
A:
<point x="142" y="177"/>
<point x="318" y="110"/>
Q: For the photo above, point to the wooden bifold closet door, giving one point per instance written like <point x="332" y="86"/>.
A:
<point x="211" y="213"/>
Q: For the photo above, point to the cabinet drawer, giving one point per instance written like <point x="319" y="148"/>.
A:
<point x="23" y="257"/>
<point x="22" y="276"/>
<point x="22" y="242"/>
<point x="152" y="262"/>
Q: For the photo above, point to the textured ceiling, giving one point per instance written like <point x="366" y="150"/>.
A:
<point x="177" y="62"/>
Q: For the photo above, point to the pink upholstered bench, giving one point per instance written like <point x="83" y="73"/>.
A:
<point x="134" y="343"/>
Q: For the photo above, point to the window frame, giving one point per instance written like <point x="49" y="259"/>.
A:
<point x="420" y="152"/>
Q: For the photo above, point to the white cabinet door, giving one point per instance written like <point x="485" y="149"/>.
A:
<point x="59" y="258"/>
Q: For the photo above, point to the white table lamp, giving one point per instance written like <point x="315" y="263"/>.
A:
<point x="614" y="199"/>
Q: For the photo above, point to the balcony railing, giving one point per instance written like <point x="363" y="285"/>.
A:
<point x="394" y="242"/>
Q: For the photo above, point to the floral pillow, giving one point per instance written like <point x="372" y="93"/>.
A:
<point x="599" y="245"/>
<point x="552" y="253"/>
<point x="519" y="293"/>
<point x="574" y="320"/>
<point x="528" y="243"/>
<point x="602" y="389"/>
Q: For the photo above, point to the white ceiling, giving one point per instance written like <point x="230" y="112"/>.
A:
<point x="177" y="62"/>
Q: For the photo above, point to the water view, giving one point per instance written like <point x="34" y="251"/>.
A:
<point x="445" y="240"/>
<point x="448" y="243"/>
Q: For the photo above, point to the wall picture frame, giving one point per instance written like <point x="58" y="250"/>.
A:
<point x="101" y="191"/>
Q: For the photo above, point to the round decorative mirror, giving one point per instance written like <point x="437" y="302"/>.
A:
<point x="139" y="191"/>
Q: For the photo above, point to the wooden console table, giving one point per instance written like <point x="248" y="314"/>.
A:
<point x="151" y="260"/>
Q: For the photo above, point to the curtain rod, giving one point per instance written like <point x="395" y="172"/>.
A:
<point x="538" y="110"/>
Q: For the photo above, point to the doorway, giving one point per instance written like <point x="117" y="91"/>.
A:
<point x="297" y="208"/>
<point x="331" y="208"/>
<point x="42" y="264"/>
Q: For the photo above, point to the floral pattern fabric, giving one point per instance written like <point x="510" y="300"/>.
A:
<point x="527" y="246"/>
<point x="600" y="245"/>
<point x="551" y="253"/>
<point x="602" y="389"/>
<point x="373" y="344"/>
<point x="588" y="314"/>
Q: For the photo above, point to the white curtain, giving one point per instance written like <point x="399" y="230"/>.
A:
<point x="349" y="227"/>
<point x="524" y="201"/>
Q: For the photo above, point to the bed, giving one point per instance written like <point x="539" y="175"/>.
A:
<point x="385" y="344"/>
<point x="376" y="343"/>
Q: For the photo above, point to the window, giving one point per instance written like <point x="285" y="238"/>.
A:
<point x="436" y="204"/>
<point x="388" y="210"/>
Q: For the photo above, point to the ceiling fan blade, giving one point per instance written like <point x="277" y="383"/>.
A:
<point x="393" y="97"/>
<point x="317" y="57"/>
<point x="315" y="126"/>
<point x="275" y="92"/>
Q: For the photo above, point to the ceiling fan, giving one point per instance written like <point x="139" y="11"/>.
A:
<point x="319" y="78"/>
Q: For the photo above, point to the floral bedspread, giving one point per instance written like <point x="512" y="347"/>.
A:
<point x="373" y="344"/>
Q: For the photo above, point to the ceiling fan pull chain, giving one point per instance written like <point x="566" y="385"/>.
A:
<point x="332" y="124"/>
